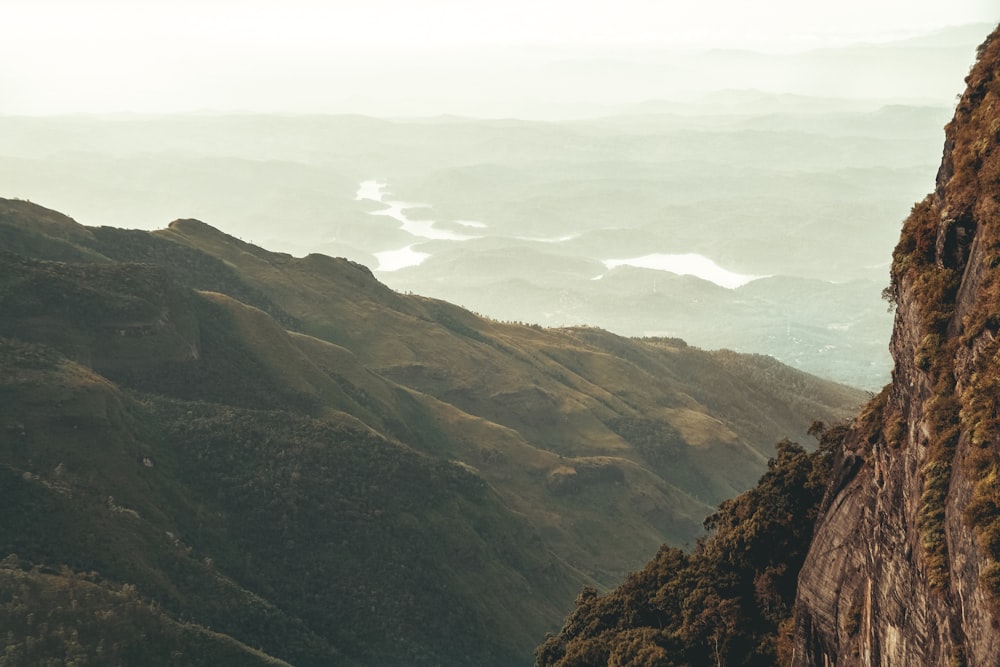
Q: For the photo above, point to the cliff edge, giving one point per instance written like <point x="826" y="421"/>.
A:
<point x="904" y="567"/>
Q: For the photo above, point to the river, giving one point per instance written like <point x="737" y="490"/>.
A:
<point x="687" y="264"/>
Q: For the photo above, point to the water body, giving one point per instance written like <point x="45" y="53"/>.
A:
<point x="394" y="260"/>
<point x="553" y="239"/>
<point x="400" y="258"/>
<point x="420" y="228"/>
<point x="689" y="264"/>
<point x="370" y="190"/>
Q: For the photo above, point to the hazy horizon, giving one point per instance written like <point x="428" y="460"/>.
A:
<point x="511" y="59"/>
<point x="726" y="140"/>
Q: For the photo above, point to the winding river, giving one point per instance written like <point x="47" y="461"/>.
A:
<point x="400" y="258"/>
<point x="688" y="264"/>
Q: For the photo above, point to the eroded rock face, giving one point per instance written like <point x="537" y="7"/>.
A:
<point x="902" y="569"/>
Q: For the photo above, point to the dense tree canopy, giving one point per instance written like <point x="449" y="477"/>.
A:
<point x="726" y="603"/>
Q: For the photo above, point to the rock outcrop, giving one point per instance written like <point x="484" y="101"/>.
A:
<point x="903" y="568"/>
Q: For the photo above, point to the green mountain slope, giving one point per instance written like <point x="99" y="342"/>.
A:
<point x="309" y="538"/>
<point x="284" y="454"/>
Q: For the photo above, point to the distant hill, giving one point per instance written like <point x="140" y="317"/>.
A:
<point x="761" y="183"/>
<point x="215" y="452"/>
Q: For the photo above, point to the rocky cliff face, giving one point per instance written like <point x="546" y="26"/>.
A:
<point x="903" y="569"/>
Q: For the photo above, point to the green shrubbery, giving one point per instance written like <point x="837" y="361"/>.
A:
<point x="727" y="602"/>
<point x="74" y="619"/>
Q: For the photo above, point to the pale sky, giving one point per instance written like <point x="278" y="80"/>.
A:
<point x="64" y="56"/>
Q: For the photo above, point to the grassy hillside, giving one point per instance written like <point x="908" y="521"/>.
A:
<point x="283" y="453"/>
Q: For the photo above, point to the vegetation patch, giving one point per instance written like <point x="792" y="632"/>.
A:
<point x="727" y="602"/>
<point x="88" y="621"/>
<point x="934" y="250"/>
<point x="980" y="418"/>
<point x="930" y="290"/>
<point x="944" y="421"/>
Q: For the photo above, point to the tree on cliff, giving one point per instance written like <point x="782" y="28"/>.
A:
<point x="728" y="601"/>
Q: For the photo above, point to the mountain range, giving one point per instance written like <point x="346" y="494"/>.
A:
<point x="217" y="454"/>
<point x="520" y="219"/>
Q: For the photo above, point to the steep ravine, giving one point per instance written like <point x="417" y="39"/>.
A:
<point x="903" y="568"/>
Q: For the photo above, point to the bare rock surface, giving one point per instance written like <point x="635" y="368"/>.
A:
<point x="902" y="567"/>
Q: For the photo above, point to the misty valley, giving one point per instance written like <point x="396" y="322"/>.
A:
<point x="527" y="215"/>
